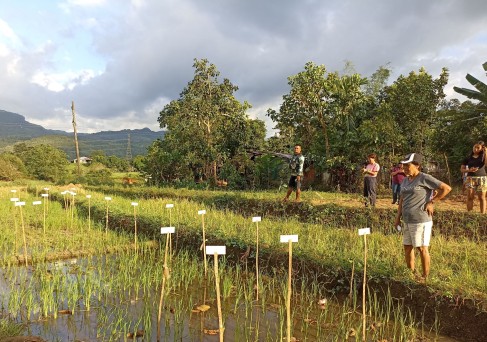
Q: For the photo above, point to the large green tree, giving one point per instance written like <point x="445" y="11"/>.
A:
<point x="207" y="125"/>
<point x="412" y="102"/>
<point x="321" y="109"/>
<point x="43" y="162"/>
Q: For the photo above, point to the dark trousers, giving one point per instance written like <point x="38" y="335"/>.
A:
<point x="370" y="189"/>
<point x="396" y="190"/>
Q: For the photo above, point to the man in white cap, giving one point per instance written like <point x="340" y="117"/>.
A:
<point x="419" y="191"/>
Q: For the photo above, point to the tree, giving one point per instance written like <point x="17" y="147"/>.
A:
<point x="11" y="167"/>
<point x="43" y="162"/>
<point x="480" y="94"/>
<point x="321" y="109"/>
<point x="412" y="102"/>
<point x="207" y="124"/>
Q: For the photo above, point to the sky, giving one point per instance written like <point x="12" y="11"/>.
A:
<point x="122" y="61"/>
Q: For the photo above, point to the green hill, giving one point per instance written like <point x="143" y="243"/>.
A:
<point x="14" y="129"/>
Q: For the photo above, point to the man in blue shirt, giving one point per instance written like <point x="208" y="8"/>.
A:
<point x="296" y="164"/>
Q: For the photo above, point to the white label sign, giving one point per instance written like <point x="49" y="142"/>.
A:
<point x="14" y="199"/>
<point x="220" y="250"/>
<point x="256" y="219"/>
<point x="201" y="212"/>
<point x="168" y="230"/>
<point x="19" y="204"/>
<point x="13" y="190"/>
<point x="44" y="195"/>
<point x="169" y="205"/>
<point x="364" y="231"/>
<point x="108" y="198"/>
<point x="36" y="202"/>
<point x="88" y="196"/>
<point x="287" y="238"/>
<point x="135" y="204"/>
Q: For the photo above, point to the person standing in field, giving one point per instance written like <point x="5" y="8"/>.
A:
<point x="370" y="179"/>
<point x="296" y="164"/>
<point x="397" y="173"/>
<point x="476" y="180"/>
<point x="419" y="191"/>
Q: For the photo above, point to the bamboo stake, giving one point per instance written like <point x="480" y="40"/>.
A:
<point x="364" y="232"/>
<point x="134" y="204"/>
<point x="89" y="211"/>
<point x="164" y="276"/>
<point x="289" y="291"/>
<point x="20" y="204"/>
<point x="257" y="219"/>
<point x="289" y="239"/>
<point x="218" y="301"/>
<point x="202" y="213"/>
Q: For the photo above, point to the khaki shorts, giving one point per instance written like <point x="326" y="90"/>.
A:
<point x="417" y="234"/>
<point x="477" y="183"/>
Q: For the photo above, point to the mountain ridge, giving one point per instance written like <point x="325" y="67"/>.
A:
<point x="14" y="128"/>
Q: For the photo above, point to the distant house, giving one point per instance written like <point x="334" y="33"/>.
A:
<point x="83" y="160"/>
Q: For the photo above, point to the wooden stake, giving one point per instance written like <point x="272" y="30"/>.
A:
<point x="289" y="239"/>
<point x="289" y="291"/>
<point x="20" y="204"/>
<point x="202" y="213"/>
<point x="164" y="275"/>
<point x="364" y="232"/>
<point x="218" y="301"/>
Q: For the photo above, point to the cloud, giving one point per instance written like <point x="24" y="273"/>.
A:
<point x="121" y="62"/>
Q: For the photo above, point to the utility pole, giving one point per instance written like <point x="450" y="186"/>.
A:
<point x="76" y="138"/>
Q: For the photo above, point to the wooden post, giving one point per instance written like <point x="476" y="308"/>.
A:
<point x="257" y="219"/>
<point x="216" y="250"/>
<point x="364" y="232"/>
<point x="202" y="213"/>
<point x="20" y="204"/>
<point x="76" y="138"/>
<point x="289" y="239"/>
<point x="168" y="231"/>
<point x="135" y="225"/>
<point x="89" y="211"/>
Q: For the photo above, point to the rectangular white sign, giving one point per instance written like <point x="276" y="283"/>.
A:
<point x="220" y="250"/>
<point x="18" y="204"/>
<point x="168" y="230"/>
<point x="88" y="196"/>
<point x="201" y="212"/>
<point x="108" y="198"/>
<point x="287" y="238"/>
<point x="44" y="195"/>
<point x="36" y="202"/>
<point x="13" y="190"/>
<point x="256" y="219"/>
<point x="135" y="204"/>
<point x="364" y="231"/>
<point x="14" y="199"/>
<point x="169" y="205"/>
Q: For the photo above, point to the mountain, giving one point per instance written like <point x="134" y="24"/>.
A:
<point x="14" y="128"/>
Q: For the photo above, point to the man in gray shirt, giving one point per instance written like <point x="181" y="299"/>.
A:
<point x="419" y="191"/>
<point x="296" y="164"/>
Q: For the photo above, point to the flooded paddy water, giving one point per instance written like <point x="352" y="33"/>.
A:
<point x="111" y="298"/>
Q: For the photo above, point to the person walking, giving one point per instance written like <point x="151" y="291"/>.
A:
<point x="397" y="173"/>
<point x="370" y="180"/>
<point x="476" y="176"/>
<point x="296" y="164"/>
<point x="419" y="191"/>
